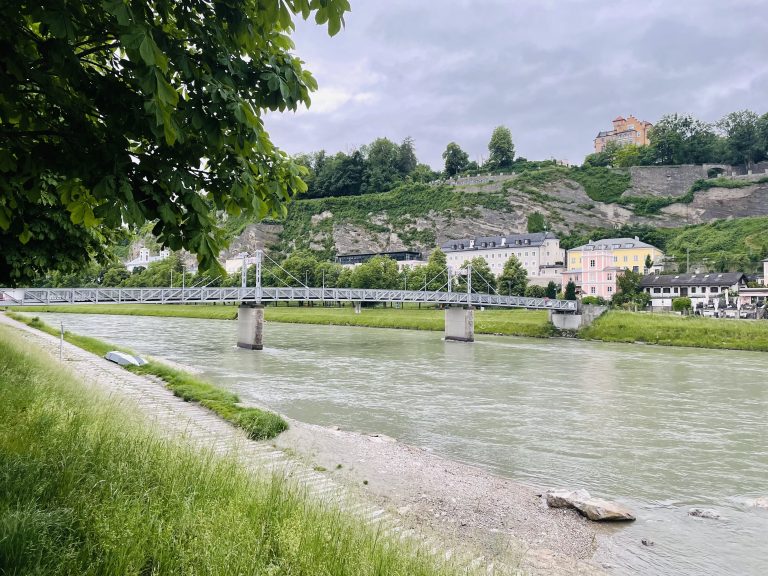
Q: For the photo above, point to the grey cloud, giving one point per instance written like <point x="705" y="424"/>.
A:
<point x="556" y="72"/>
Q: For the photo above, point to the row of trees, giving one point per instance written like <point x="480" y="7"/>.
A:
<point x="375" y="167"/>
<point x="382" y="165"/>
<point x="501" y="155"/>
<point x="739" y="138"/>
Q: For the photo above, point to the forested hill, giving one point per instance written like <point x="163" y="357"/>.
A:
<point x="574" y="202"/>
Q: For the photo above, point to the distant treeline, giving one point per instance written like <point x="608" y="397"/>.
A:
<point x="375" y="167"/>
<point x="382" y="165"/>
<point x="739" y="138"/>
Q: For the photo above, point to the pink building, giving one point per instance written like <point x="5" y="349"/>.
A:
<point x="597" y="275"/>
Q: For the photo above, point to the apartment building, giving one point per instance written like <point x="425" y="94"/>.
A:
<point x="539" y="253"/>
<point x="625" y="131"/>
<point x="594" y="266"/>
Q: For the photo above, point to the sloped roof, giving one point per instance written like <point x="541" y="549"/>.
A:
<point x="708" y="279"/>
<point x="534" y="239"/>
<point x="608" y="244"/>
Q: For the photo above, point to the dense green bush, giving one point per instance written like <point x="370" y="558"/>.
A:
<point x="681" y="304"/>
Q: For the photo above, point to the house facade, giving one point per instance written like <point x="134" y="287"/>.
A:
<point x="625" y="131"/>
<point x="144" y="258"/>
<point x="594" y="266"/>
<point x="539" y="253"/>
<point x="702" y="289"/>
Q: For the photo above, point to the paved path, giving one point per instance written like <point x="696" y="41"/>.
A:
<point x="178" y="419"/>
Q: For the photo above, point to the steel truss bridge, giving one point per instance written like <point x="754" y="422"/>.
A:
<point x="207" y="295"/>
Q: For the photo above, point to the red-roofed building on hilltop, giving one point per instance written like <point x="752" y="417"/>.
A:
<point x="625" y="131"/>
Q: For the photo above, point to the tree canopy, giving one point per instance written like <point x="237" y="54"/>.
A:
<point x="501" y="148"/>
<point x="456" y="160"/>
<point x="116" y="112"/>
<point x="514" y="278"/>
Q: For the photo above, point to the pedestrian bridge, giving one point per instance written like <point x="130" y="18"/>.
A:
<point x="459" y="306"/>
<point x="57" y="296"/>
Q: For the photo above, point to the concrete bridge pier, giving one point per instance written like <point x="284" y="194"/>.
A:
<point x="573" y="322"/>
<point x="460" y="324"/>
<point x="250" y="326"/>
<point x="358" y="306"/>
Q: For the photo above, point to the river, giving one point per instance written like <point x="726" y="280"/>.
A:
<point x="660" y="429"/>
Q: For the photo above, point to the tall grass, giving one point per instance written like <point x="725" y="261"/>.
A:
<point x="258" y="424"/>
<point x="673" y="330"/>
<point x="86" y="489"/>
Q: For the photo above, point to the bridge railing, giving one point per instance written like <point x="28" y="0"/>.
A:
<point x="42" y="296"/>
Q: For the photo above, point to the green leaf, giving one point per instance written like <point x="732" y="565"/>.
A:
<point x="165" y="91"/>
<point x="77" y="214"/>
<point x="147" y="51"/>
<point x="5" y="218"/>
<point x="89" y="218"/>
<point x="26" y="235"/>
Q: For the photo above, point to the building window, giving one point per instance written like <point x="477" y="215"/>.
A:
<point x="610" y="289"/>
<point x="657" y="290"/>
<point x="665" y="290"/>
<point x="636" y="257"/>
<point x="610" y="276"/>
<point x="591" y="263"/>
<point x="626" y="258"/>
<point x="635" y="269"/>
<point x="713" y="289"/>
<point x="592" y="290"/>
<point x="615" y="258"/>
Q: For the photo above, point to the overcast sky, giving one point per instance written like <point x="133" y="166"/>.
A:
<point x="554" y="71"/>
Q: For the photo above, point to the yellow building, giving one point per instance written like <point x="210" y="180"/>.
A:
<point x="625" y="131"/>
<point x="626" y="253"/>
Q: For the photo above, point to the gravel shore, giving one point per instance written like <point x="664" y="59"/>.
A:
<point x="501" y="519"/>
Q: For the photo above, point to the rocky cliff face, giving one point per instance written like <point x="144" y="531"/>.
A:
<point x="564" y="204"/>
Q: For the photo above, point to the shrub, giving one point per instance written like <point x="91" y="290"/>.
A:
<point x="599" y="300"/>
<point x="681" y="304"/>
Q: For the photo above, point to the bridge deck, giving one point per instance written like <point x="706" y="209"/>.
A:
<point x="42" y="296"/>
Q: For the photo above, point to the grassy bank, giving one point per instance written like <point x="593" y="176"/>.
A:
<point x="508" y="322"/>
<point x="208" y="311"/>
<point x="258" y="424"/>
<point x="86" y="489"/>
<point x="672" y="330"/>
